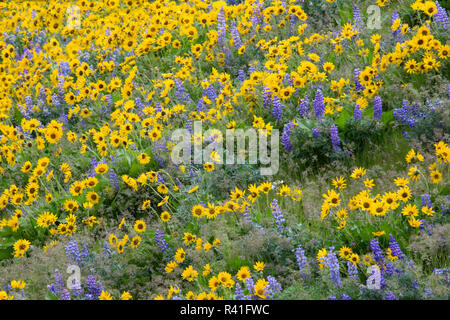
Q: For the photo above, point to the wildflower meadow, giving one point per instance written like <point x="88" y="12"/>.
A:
<point x="224" y="150"/>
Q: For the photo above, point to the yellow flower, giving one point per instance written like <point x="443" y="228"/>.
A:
<point x="414" y="223"/>
<point x="143" y="158"/>
<point x="198" y="211"/>
<point x="163" y="201"/>
<point x="165" y="216"/>
<point x="206" y="270"/>
<point x="180" y="255"/>
<point x="358" y="173"/>
<point x="105" y="295"/>
<point x="436" y="176"/>
<point x="145" y="205"/>
<point x="140" y="226"/>
<point x="126" y="296"/>
<point x="189" y="274"/>
<point x="135" y="242"/>
<point x="259" y="266"/>
<point x="209" y="166"/>
<point x="101" y="168"/>
<point x="243" y="273"/>
<point x="345" y="252"/>
<point x="121" y="223"/>
<point x="19" y="285"/>
<point x="192" y="190"/>
<point x="340" y="183"/>
<point x="171" y="266"/>
<point x="428" y="211"/>
<point x="20" y="247"/>
<point x="259" y="288"/>
<point x="369" y="183"/>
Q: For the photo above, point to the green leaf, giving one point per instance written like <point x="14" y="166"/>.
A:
<point x="342" y="119"/>
<point x="387" y="117"/>
<point x="6" y="253"/>
<point x="51" y="296"/>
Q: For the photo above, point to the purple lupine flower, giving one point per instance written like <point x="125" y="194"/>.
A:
<point x="441" y="16"/>
<point x="162" y="243"/>
<point x="390" y="296"/>
<point x="73" y="252"/>
<point x="301" y="259"/>
<point x="77" y="291"/>
<point x="85" y="251"/>
<point x="29" y="102"/>
<point x="212" y="95"/>
<point x="390" y="268"/>
<point x="287" y="80"/>
<point x="277" y="214"/>
<point x="345" y="297"/>
<point x="65" y="295"/>
<point x="395" y="248"/>
<point x="200" y="105"/>
<point x="236" y="38"/>
<point x="113" y="180"/>
<point x="255" y="20"/>
<point x="139" y="104"/>
<point x="55" y="100"/>
<point x="410" y="264"/>
<point x="303" y="108"/>
<point x="357" y="17"/>
<point x="332" y="263"/>
<point x="106" y="249"/>
<point x="250" y="284"/>
<point x="274" y="286"/>
<point x="160" y="178"/>
<point x="94" y="288"/>
<point x="247" y="216"/>
<point x="358" y="85"/>
<point x="285" y="137"/>
<point x="188" y="126"/>
<point x="93" y="165"/>
<point x="277" y="107"/>
<point x="352" y="270"/>
<point x="64" y="68"/>
<point x="357" y="114"/>
<point x="181" y="91"/>
<point x="266" y="97"/>
<point x="238" y="292"/>
<point x="377" y="108"/>
<point x="441" y="271"/>
<point x="241" y="75"/>
<point x="426" y="200"/>
<point x="221" y="26"/>
<point x="109" y="100"/>
<point x="251" y="69"/>
<point x="59" y="283"/>
<point x="332" y="297"/>
<point x="415" y="284"/>
<point x="334" y="135"/>
<point x="319" y="106"/>
<point x="375" y="247"/>
<point x="61" y="83"/>
<point x="315" y="132"/>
